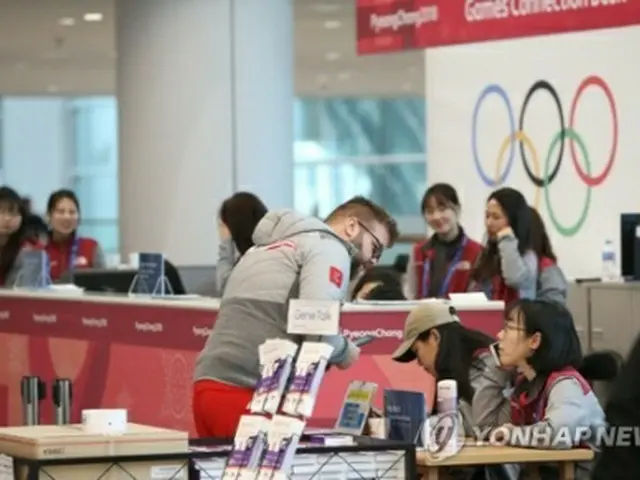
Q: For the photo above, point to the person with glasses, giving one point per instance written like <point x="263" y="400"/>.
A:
<point x="441" y="264"/>
<point x="293" y="256"/>
<point x="531" y="394"/>
<point x="13" y="238"/>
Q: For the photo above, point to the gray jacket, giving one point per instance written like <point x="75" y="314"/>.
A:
<point x="293" y="257"/>
<point x="522" y="273"/>
<point x="568" y="411"/>
<point x="227" y="258"/>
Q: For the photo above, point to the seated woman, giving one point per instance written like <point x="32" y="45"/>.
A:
<point x="516" y="253"/>
<point x="441" y="264"/>
<point x="68" y="250"/>
<point x="435" y="338"/>
<point x="13" y="240"/>
<point x="239" y="215"/>
<point x="536" y="398"/>
<point x="552" y="284"/>
<point x="375" y="277"/>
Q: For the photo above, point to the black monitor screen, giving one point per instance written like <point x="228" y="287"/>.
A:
<point x="628" y="224"/>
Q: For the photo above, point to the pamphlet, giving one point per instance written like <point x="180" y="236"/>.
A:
<point x="248" y="447"/>
<point x="281" y="371"/>
<point x="310" y="367"/>
<point x="283" y="436"/>
<point x="406" y="413"/>
<point x="355" y="407"/>
<point x="276" y="359"/>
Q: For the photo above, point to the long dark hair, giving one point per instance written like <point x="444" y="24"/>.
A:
<point x="241" y="214"/>
<point x="56" y="197"/>
<point x="10" y="200"/>
<point x="540" y="242"/>
<point x="456" y="351"/>
<point x="518" y="215"/>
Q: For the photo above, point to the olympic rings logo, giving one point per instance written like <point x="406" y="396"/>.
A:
<point x="531" y="163"/>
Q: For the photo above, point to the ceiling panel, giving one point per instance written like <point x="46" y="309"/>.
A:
<point x="38" y="54"/>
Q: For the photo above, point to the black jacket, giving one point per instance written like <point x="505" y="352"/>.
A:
<point x="623" y="410"/>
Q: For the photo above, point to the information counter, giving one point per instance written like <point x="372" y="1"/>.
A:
<point x="139" y="353"/>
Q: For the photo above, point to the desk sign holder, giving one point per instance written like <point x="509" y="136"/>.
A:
<point x="355" y="409"/>
<point x="313" y="317"/>
<point x="34" y="270"/>
<point x="151" y="278"/>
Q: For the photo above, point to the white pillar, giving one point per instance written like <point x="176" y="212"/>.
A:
<point x="205" y="97"/>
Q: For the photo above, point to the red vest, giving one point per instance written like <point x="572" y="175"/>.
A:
<point x="528" y="411"/>
<point x="77" y="250"/>
<point x="500" y="290"/>
<point x="459" y="283"/>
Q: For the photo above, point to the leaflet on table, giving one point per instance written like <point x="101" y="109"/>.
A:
<point x="248" y="447"/>
<point x="310" y="367"/>
<point x="406" y="414"/>
<point x="276" y="362"/>
<point x="356" y="407"/>
<point x="283" y="436"/>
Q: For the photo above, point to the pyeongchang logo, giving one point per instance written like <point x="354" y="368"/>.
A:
<point x="149" y="327"/>
<point x="5" y="315"/>
<point x="378" y="333"/>
<point x="44" y="318"/>
<point x="203" y="332"/>
<point x="95" y="322"/>
<point x="404" y="18"/>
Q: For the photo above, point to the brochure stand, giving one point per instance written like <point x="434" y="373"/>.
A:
<point x="269" y="443"/>
<point x="151" y="278"/>
<point x="34" y="273"/>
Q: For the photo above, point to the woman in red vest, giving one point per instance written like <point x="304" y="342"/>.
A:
<point x="549" y="405"/>
<point x="66" y="249"/>
<point x="441" y="265"/>
<point x="13" y="239"/>
<point x="518" y="261"/>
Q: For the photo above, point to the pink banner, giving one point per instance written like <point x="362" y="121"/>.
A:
<point x="141" y="357"/>
<point x="391" y="25"/>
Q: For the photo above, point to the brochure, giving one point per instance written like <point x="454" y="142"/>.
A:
<point x="283" y="436"/>
<point x="310" y="367"/>
<point x="248" y="448"/>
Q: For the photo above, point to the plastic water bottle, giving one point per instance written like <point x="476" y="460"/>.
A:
<point x="609" y="267"/>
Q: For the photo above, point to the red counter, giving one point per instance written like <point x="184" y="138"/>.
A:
<point x="138" y="353"/>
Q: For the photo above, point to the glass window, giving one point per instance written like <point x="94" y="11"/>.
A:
<point x="371" y="147"/>
<point x="94" y="176"/>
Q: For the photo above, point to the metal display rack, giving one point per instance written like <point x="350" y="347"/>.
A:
<point x="367" y="459"/>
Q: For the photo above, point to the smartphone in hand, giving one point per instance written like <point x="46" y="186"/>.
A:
<point x="494" y="348"/>
<point x="362" y="341"/>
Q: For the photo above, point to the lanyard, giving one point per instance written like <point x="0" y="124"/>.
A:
<point x="74" y="252"/>
<point x="426" y="271"/>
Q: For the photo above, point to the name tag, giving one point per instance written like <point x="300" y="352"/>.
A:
<point x="463" y="265"/>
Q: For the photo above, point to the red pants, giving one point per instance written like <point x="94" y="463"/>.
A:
<point x="217" y="408"/>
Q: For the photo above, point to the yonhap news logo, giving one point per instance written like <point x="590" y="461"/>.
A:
<point x="444" y="436"/>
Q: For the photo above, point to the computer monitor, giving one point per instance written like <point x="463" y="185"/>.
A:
<point x="629" y="246"/>
<point x="104" y="281"/>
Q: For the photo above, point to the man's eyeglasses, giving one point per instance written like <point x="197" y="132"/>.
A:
<point x="378" y="246"/>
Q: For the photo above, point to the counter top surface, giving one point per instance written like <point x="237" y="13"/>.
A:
<point x="206" y="303"/>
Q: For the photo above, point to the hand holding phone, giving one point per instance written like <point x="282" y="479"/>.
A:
<point x="362" y="341"/>
<point x="494" y="348"/>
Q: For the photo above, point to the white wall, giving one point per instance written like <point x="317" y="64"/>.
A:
<point x="35" y="146"/>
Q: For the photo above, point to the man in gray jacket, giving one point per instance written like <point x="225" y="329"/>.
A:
<point x="294" y="256"/>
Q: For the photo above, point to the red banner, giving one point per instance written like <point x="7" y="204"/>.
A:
<point x="123" y="355"/>
<point x="390" y="25"/>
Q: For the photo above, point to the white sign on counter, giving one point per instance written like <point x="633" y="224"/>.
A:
<point x="313" y="317"/>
